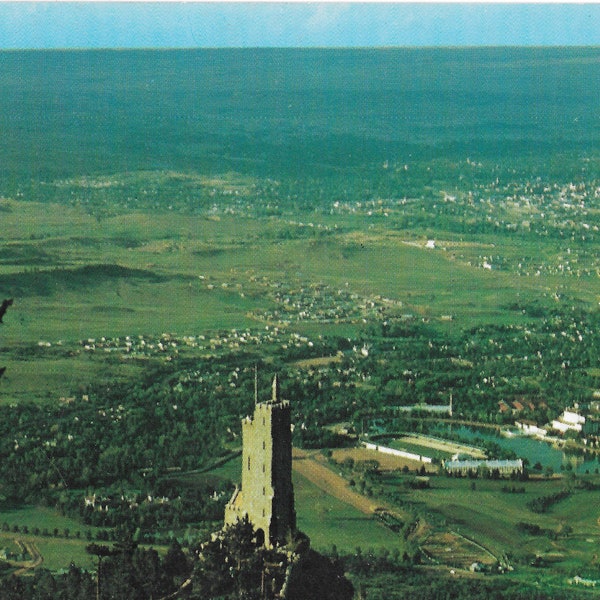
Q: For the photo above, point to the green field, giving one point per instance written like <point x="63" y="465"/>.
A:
<point x="328" y="521"/>
<point x="191" y="275"/>
<point x="57" y="550"/>
<point x="418" y="449"/>
<point x="59" y="555"/>
<point x="44" y="518"/>
<point x="194" y="275"/>
<point x="159" y="287"/>
<point x="490" y="516"/>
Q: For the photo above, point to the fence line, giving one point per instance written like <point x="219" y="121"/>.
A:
<point x="394" y="452"/>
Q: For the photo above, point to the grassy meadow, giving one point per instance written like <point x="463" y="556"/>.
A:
<point x="483" y="511"/>
<point x="58" y="551"/>
<point x="74" y="278"/>
<point x="328" y="521"/>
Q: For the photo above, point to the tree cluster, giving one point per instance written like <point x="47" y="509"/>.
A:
<point x="124" y="572"/>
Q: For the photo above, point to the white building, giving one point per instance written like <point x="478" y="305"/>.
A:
<point x="530" y="428"/>
<point x="465" y="467"/>
<point x="569" y="421"/>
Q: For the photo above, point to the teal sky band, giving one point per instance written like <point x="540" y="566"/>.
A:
<point x="45" y="25"/>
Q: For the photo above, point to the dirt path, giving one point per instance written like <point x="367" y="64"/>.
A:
<point x="324" y="478"/>
<point x="36" y="558"/>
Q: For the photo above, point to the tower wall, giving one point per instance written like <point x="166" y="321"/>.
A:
<point x="267" y="495"/>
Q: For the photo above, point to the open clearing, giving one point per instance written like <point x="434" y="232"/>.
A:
<point x="329" y="521"/>
<point x="441" y="445"/>
<point x="189" y="273"/>
<point x="305" y="464"/>
<point x="51" y="553"/>
<point x="386" y="461"/>
<point x="454" y="550"/>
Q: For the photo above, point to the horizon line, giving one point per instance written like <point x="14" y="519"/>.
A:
<point x="316" y="47"/>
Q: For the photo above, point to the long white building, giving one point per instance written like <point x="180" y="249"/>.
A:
<point x="464" y="467"/>
<point x="569" y="421"/>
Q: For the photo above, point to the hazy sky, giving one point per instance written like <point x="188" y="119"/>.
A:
<point x="226" y="24"/>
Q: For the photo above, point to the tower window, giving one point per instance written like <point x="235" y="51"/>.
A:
<point x="264" y="491"/>
<point x="249" y="463"/>
<point x="263" y="466"/>
<point x="264" y="445"/>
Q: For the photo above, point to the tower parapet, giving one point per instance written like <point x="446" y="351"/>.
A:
<point x="266" y="496"/>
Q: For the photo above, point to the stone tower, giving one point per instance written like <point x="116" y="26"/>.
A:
<point x="267" y="494"/>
